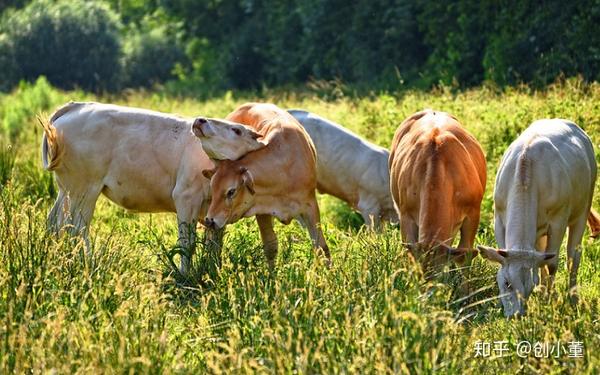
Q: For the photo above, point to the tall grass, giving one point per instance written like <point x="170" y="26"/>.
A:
<point x="126" y="310"/>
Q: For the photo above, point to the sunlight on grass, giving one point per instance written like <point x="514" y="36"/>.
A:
<point x="127" y="310"/>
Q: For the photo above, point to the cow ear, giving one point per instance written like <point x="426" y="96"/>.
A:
<point x="254" y="135"/>
<point x="209" y="173"/>
<point x="247" y="179"/>
<point x="495" y="255"/>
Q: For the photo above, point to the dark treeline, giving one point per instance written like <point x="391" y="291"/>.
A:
<point x="250" y="43"/>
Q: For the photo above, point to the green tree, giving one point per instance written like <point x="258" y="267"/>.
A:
<point x="72" y="43"/>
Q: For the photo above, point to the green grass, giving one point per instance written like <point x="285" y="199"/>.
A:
<point x="372" y="312"/>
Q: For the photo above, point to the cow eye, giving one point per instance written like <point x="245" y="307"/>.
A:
<point x="237" y="131"/>
<point x="507" y="284"/>
<point x="230" y="193"/>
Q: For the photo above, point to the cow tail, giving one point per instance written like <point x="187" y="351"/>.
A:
<point x="52" y="145"/>
<point x="594" y="223"/>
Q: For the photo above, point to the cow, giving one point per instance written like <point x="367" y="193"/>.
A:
<point x="142" y="160"/>
<point x="544" y="185"/>
<point x="277" y="180"/>
<point x="437" y="181"/>
<point x="348" y="167"/>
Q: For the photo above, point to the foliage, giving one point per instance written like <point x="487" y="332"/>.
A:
<point x="242" y="44"/>
<point x="530" y="44"/>
<point x="25" y="102"/>
<point x="388" y="43"/>
<point x="7" y="4"/>
<point x="372" y="312"/>
<point x="287" y="41"/>
<point x="72" y="43"/>
<point x="150" y="57"/>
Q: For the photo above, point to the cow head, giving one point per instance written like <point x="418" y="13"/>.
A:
<point x="517" y="276"/>
<point x="390" y="215"/>
<point x="222" y="139"/>
<point x="232" y="188"/>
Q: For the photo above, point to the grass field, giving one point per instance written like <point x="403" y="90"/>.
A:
<point x="372" y="312"/>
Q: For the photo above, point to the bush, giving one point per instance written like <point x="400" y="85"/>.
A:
<point x="9" y="70"/>
<point x="456" y="39"/>
<point x="18" y="110"/>
<point x="287" y="41"/>
<point x="72" y="43"/>
<point x="150" y="56"/>
<point x="384" y="43"/>
<point x="526" y="48"/>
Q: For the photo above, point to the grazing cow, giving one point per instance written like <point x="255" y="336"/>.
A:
<point x="544" y="184"/>
<point x="277" y="180"/>
<point x="438" y="175"/>
<point x="348" y="167"/>
<point x="142" y="160"/>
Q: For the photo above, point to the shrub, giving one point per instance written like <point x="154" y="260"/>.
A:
<point x="72" y="43"/>
<point x="150" y="56"/>
<point x="537" y="44"/>
<point x="18" y="110"/>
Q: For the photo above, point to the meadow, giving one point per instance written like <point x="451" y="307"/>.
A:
<point x="127" y="311"/>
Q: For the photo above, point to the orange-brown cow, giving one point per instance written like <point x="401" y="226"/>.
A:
<point x="277" y="180"/>
<point x="437" y="180"/>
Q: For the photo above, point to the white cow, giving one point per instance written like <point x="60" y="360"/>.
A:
<point x="544" y="185"/>
<point x="142" y="160"/>
<point x="348" y="167"/>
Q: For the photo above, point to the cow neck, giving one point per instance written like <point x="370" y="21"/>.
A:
<point x="521" y="219"/>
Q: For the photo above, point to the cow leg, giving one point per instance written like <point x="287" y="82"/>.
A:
<point x="81" y="206"/>
<point x="56" y="217"/>
<point x="556" y="233"/>
<point x="542" y="243"/>
<point x="188" y="203"/>
<point x="541" y="246"/>
<point x="269" y="239"/>
<point x="186" y="240"/>
<point x="468" y="231"/>
<point x="574" y="254"/>
<point x="311" y="220"/>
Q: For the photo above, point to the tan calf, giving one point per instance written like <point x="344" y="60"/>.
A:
<point x="277" y="180"/>
<point x="437" y="180"/>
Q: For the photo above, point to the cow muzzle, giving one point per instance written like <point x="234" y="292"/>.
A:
<point x="198" y="128"/>
<point x="211" y="223"/>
